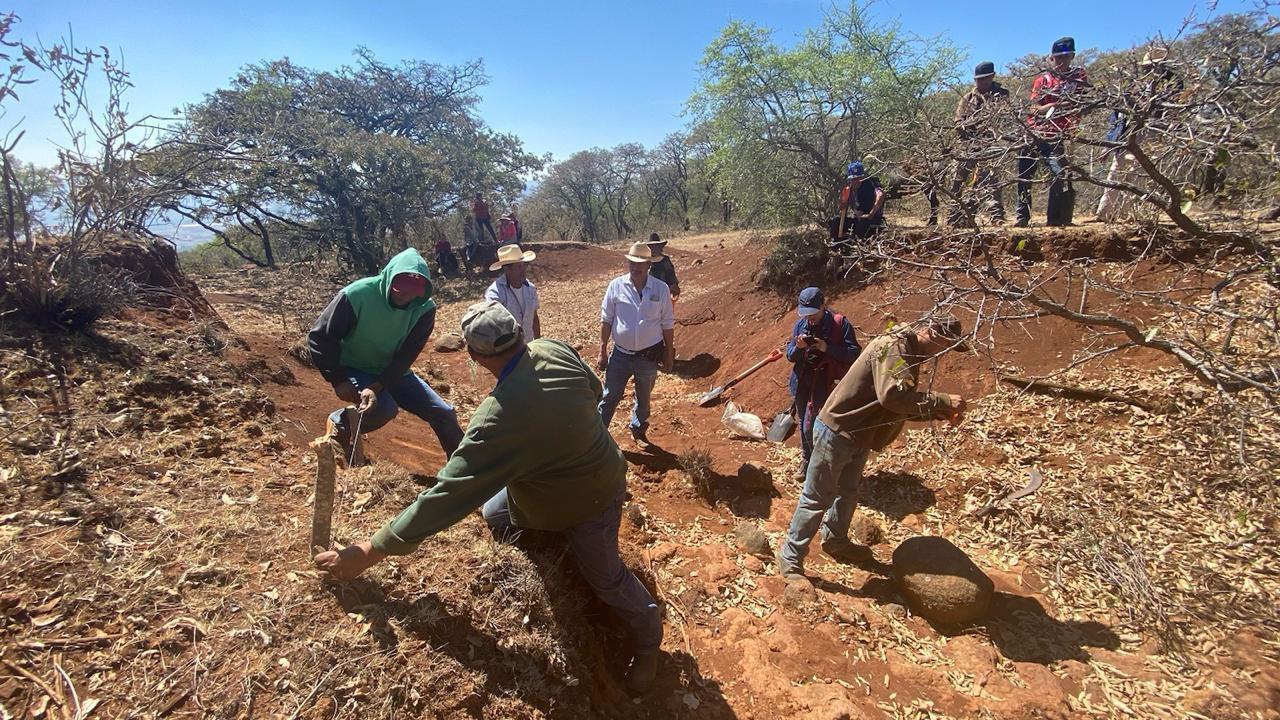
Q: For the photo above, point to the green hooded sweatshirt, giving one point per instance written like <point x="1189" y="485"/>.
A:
<point x="380" y="327"/>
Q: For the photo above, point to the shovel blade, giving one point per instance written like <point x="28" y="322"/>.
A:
<point x="711" y="396"/>
<point x="781" y="428"/>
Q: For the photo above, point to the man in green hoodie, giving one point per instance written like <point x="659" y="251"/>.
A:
<point x="365" y="342"/>
<point x="536" y="457"/>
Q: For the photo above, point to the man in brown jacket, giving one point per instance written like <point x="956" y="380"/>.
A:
<point x="865" y="412"/>
<point x="976" y="117"/>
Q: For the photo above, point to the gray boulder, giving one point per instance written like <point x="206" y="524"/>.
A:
<point x="451" y="342"/>
<point x="940" y="581"/>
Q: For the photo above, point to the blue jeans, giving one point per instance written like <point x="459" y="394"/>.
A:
<point x="829" y="497"/>
<point x="622" y="367"/>
<point x="413" y="394"/>
<point x="594" y="545"/>
<point x="810" y="397"/>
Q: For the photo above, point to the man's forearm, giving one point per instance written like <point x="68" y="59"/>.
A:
<point x="604" y="335"/>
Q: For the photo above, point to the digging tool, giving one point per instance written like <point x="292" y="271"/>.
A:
<point x="715" y="393"/>
<point x="1037" y="479"/>
<point x="782" y="425"/>
<point x="844" y="214"/>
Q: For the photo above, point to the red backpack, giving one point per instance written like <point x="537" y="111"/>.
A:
<point x="833" y="369"/>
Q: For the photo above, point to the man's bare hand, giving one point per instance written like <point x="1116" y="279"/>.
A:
<point x="820" y="344"/>
<point x="958" y="408"/>
<point x="668" y="360"/>
<point x="368" y="400"/>
<point x="347" y="392"/>
<point x="349" y="562"/>
<point x="603" y="361"/>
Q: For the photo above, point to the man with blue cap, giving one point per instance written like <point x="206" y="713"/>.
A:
<point x="822" y="348"/>
<point x="861" y="205"/>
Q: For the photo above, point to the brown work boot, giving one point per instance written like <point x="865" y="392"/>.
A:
<point x="642" y="673"/>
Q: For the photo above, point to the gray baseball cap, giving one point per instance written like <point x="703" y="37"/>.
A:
<point x="489" y="328"/>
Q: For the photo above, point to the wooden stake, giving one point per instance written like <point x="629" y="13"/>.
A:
<point x="322" y="506"/>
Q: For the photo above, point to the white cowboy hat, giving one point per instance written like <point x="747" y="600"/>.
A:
<point x="643" y="252"/>
<point x="510" y="255"/>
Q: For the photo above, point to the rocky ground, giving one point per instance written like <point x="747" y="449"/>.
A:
<point x="157" y="488"/>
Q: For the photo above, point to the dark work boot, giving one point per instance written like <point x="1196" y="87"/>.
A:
<point x="642" y="673"/>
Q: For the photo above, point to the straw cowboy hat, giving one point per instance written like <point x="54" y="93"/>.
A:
<point x="1154" y="56"/>
<point x="510" y="255"/>
<point x="643" y="252"/>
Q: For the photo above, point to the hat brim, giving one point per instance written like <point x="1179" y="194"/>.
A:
<point x="803" y="311"/>
<point x="528" y="256"/>
<point x="637" y="258"/>
<point x="990" y="74"/>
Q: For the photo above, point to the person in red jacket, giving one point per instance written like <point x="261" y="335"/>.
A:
<point x="480" y="209"/>
<point x="1055" y="95"/>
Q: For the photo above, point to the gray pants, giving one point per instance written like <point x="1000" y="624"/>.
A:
<point x="594" y="545"/>
<point x="829" y="497"/>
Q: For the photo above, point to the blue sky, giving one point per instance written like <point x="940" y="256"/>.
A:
<point x="564" y="75"/>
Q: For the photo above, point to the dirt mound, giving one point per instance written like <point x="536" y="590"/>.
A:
<point x="153" y="267"/>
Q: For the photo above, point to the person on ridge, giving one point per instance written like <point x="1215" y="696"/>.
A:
<point x="364" y="344"/>
<point x="861" y="205"/>
<point x="1055" y="95"/>
<point x="974" y="123"/>
<point x="480" y="209"/>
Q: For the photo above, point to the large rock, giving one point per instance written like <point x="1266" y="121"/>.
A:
<point x="940" y="581"/>
<point x="451" y="342"/>
<point x="752" y="539"/>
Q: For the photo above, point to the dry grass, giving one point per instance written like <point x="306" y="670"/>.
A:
<point x="170" y="575"/>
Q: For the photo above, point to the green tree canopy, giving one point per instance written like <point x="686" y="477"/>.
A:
<point x="352" y="158"/>
<point x="784" y="122"/>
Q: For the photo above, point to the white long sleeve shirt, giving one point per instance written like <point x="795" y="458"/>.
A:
<point x="522" y="302"/>
<point x="637" y="318"/>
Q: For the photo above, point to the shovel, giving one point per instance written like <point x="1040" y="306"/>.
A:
<point x="715" y="393"/>
<point x="781" y="428"/>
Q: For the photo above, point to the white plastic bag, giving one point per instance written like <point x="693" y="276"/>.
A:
<point x="740" y="423"/>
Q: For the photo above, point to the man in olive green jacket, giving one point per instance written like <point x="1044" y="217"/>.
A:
<point x="865" y="412"/>
<point x="537" y="457"/>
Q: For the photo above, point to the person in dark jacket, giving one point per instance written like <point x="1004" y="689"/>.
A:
<point x="818" y="363"/>
<point x="862" y="202"/>
<point x="365" y="342"/>
<point x="663" y="269"/>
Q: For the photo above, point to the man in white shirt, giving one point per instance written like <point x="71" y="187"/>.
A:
<point x="514" y="291"/>
<point x="637" y="314"/>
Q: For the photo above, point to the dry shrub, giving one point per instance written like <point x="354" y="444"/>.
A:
<point x="48" y="290"/>
<point x="799" y="259"/>
<point x="696" y="463"/>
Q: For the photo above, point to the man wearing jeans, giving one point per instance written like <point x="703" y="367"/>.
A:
<point x="365" y="342"/>
<point x="1056" y="98"/>
<point x="537" y="458"/>
<point x="637" y="314"/>
<point x="865" y="412"/>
